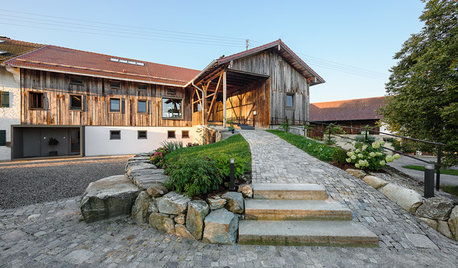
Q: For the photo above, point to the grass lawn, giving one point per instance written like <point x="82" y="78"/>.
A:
<point x="319" y="150"/>
<point x="443" y="171"/>
<point x="234" y="146"/>
<point x="450" y="189"/>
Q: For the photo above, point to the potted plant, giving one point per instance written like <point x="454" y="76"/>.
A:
<point x="53" y="143"/>
<point x="231" y="127"/>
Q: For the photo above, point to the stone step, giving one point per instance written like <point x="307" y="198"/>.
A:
<point x="289" y="191"/>
<point x="262" y="209"/>
<point x="297" y="233"/>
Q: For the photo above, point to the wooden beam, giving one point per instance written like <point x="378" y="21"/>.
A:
<point x="214" y="96"/>
<point x="224" y="98"/>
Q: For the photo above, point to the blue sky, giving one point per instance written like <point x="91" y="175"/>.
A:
<point x="349" y="43"/>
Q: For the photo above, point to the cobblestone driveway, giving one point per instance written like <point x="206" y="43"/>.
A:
<point x="51" y="234"/>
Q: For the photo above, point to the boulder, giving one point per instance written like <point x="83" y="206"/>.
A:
<point x="406" y="198"/>
<point x="430" y="223"/>
<point x="453" y="222"/>
<point x="443" y="228"/>
<point x="234" y="202"/>
<point x="221" y="227"/>
<point x="152" y="207"/>
<point x="172" y="203"/>
<point x="144" y="158"/>
<point x="157" y="190"/>
<point x="436" y="208"/>
<point x="146" y="154"/>
<point x="141" y="208"/>
<point x="197" y="210"/>
<point x="358" y="173"/>
<point x="216" y="202"/>
<point x="144" y="178"/>
<point x="181" y="219"/>
<point x="109" y="197"/>
<point x="375" y="182"/>
<point x="162" y="222"/>
<point x="134" y="166"/>
<point x="246" y="190"/>
<point x="181" y="230"/>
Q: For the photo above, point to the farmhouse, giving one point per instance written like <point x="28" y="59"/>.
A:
<point x="75" y="103"/>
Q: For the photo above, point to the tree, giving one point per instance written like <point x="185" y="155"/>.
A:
<point x="422" y="90"/>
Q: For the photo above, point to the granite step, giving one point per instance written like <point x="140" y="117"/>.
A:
<point x="259" y="209"/>
<point x="289" y="191"/>
<point x="298" y="233"/>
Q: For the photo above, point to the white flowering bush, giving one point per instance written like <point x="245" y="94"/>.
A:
<point x="370" y="156"/>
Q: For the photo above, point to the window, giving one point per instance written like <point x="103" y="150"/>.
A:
<point x="76" y="102"/>
<point x="171" y="134"/>
<point x="2" y="137"/>
<point x="185" y="134"/>
<point x="115" y="134"/>
<point x="76" y="81"/>
<point x="115" y="105"/>
<point x="171" y="91"/>
<point x="289" y="100"/>
<point x="4" y="99"/>
<point x="141" y="106"/>
<point x="142" y="87"/>
<point x="171" y="108"/>
<point x="115" y="85"/>
<point x="36" y="100"/>
<point x="141" y="134"/>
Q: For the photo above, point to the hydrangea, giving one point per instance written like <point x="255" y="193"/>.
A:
<point x="357" y="165"/>
<point x="396" y="156"/>
<point x="357" y="150"/>
<point x="350" y="154"/>
<point x="378" y="153"/>
<point x="389" y="158"/>
<point x="364" y="147"/>
<point x="382" y="162"/>
<point x="348" y="160"/>
<point x="376" y="145"/>
<point x="372" y="154"/>
<point x="353" y="157"/>
<point x="360" y="155"/>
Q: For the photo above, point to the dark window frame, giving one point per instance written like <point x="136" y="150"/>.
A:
<point x="146" y="106"/>
<point x="292" y="101"/>
<point x="4" y="99"/>
<point x="140" y="135"/>
<point x="115" y="111"/>
<point x="3" y="135"/>
<point x="113" y="135"/>
<point x="115" y="84"/>
<point x="183" y="136"/>
<point x="71" y="103"/>
<point x="174" y="136"/>
<point x="76" y="81"/>
<point x="181" y="109"/>
<point x="142" y="87"/>
<point x="31" y="100"/>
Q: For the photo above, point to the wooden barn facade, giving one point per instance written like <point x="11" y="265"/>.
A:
<point x="95" y="104"/>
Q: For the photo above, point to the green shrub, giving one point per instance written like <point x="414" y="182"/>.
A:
<point x="332" y="129"/>
<point x="171" y="146"/>
<point x="193" y="175"/>
<point x="369" y="156"/>
<point x="285" y="125"/>
<point x="362" y="138"/>
<point x="339" y="156"/>
<point x="158" y="158"/>
<point x="224" y="164"/>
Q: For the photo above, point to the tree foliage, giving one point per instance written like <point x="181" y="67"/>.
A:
<point x="423" y="86"/>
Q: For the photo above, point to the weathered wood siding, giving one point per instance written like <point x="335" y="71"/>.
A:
<point x="284" y="79"/>
<point x="241" y="107"/>
<point x="96" y="94"/>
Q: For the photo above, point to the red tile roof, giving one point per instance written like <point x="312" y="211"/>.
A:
<point x="346" y="110"/>
<point x="60" y="59"/>
<point x="13" y="48"/>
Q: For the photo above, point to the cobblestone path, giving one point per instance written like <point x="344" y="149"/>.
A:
<point x="53" y="235"/>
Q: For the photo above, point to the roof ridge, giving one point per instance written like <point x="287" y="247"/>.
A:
<point x="349" y="100"/>
<point x="124" y="58"/>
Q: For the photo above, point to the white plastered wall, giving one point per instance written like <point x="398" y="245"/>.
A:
<point x="9" y="81"/>
<point x="97" y="139"/>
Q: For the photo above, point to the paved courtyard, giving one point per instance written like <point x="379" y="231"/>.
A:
<point x="52" y="234"/>
<point x="28" y="182"/>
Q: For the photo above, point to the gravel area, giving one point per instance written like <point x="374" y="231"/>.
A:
<point x="25" y="183"/>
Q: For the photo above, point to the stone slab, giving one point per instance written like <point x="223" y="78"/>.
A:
<point x="421" y="241"/>
<point x="406" y="198"/>
<point x="145" y="178"/>
<point x="295" y="233"/>
<point x="289" y="191"/>
<point x="258" y="209"/>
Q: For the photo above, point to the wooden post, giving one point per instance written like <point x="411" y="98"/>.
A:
<point x="224" y="98"/>
<point x="204" y="96"/>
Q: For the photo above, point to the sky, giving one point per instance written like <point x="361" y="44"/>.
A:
<point x="349" y="43"/>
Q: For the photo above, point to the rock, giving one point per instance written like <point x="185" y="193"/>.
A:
<point x="234" y="202"/>
<point x="358" y="173"/>
<point x="436" y="208"/>
<point x="406" y="198"/>
<point x="147" y="154"/>
<point x="430" y="223"/>
<point x="181" y="230"/>
<point x="109" y="197"/>
<point x="375" y="182"/>
<point x="141" y="208"/>
<point x="246" y="190"/>
<point x="216" y="202"/>
<point x="197" y="210"/>
<point x="181" y="219"/>
<point x="443" y="228"/>
<point x="162" y="222"/>
<point x="221" y="227"/>
<point x="157" y="190"/>
<point x="172" y="203"/>
<point x="134" y="166"/>
<point x="145" y="159"/>
<point x="152" y="207"/>
<point x="453" y="222"/>
<point x="144" y="178"/>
